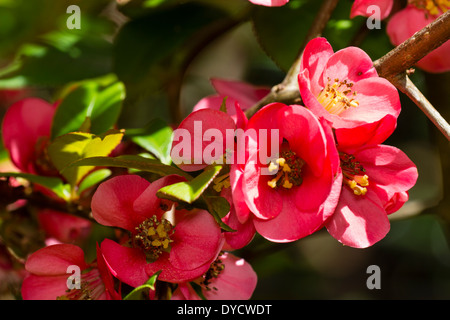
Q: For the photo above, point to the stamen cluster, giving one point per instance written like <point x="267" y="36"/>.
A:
<point x="338" y="96"/>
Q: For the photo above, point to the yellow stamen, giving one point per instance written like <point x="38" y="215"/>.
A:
<point x="338" y="97"/>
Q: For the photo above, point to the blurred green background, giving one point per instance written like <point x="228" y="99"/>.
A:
<point x="166" y="52"/>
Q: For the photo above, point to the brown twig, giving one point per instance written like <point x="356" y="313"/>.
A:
<point x="405" y="55"/>
<point x="405" y="85"/>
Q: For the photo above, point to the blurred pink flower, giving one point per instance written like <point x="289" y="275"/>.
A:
<point x="182" y="245"/>
<point x="343" y="87"/>
<point x="404" y="23"/>
<point x="26" y="131"/>
<point x="270" y="3"/>
<point x="48" y="275"/>
<point x="228" y="278"/>
<point x="64" y="227"/>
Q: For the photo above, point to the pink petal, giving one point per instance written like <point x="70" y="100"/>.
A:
<point x="238" y="200"/>
<point x="351" y="63"/>
<point x="54" y="260"/>
<point x="196" y="239"/>
<point x="24" y="123"/>
<point x="63" y="226"/>
<point x="396" y="202"/>
<point x="170" y="273"/>
<point x="44" y="287"/>
<point x="233" y="108"/>
<point x="107" y="277"/>
<point x="366" y="134"/>
<point x="359" y="221"/>
<point x="242" y="236"/>
<point x="148" y="204"/>
<point x="197" y="123"/>
<point x="270" y="3"/>
<point x="314" y="59"/>
<point x="360" y="8"/>
<point x="377" y="98"/>
<point x="246" y="94"/>
<point x="112" y="203"/>
<point x="389" y="169"/>
<point x="305" y="135"/>
<point x="257" y="192"/>
<point x="128" y="264"/>
<point x="237" y="281"/>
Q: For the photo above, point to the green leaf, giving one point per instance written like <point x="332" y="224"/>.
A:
<point x="280" y="30"/>
<point x="54" y="184"/>
<point x="74" y="146"/>
<point x="142" y="292"/>
<point x="89" y="102"/>
<point x="218" y="207"/>
<point x="93" y="178"/>
<point x="155" y="138"/>
<point x="132" y="162"/>
<point x="146" y="58"/>
<point x="190" y="191"/>
<point x="73" y="110"/>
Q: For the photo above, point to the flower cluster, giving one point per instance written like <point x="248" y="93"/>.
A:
<point x="327" y="166"/>
<point x="172" y="230"/>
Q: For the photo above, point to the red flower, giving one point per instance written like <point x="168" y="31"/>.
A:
<point x="343" y="87"/>
<point x="290" y="194"/>
<point x="26" y="132"/>
<point x="376" y="180"/>
<point x="360" y="8"/>
<point x="228" y="278"/>
<point x="48" y="279"/>
<point x="182" y="246"/>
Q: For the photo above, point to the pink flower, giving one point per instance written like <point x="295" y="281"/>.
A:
<point x="64" y="227"/>
<point x="228" y="278"/>
<point x="182" y="245"/>
<point x="48" y="279"/>
<point x="343" y="87"/>
<point x="26" y="131"/>
<point x="201" y="139"/>
<point x="361" y="8"/>
<point x="406" y="22"/>
<point x="413" y="18"/>
<point x="376" y="180"/>
<point x="294" y="195"/>
<point x="270" y="3"/>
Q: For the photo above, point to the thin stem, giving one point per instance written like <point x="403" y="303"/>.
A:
<point x="405" y="85"/>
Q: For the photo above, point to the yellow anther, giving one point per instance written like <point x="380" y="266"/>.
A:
<point x="286" y="168"/>
<point x="362" y="180"/>
<point x="273" y="183"/>
<point x="151" y="231"/>
<point x="281" y="161"/>
<point x="273" y="168"/>
<point x="287" y="184"/>
<point x="156" y="243"/>
<point x="165" y="243"/>
<point x="161" y="232"/>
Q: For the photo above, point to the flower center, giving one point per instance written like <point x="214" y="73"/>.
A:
<point x="287" y="170"/>
<point x="433" y="7"/>
<point x="213" y="272"/>
<point x="91" y="287"/>
<point x="354" y="175"/>
<point x="153" y="236"/>
<point x="338" y="96"/>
